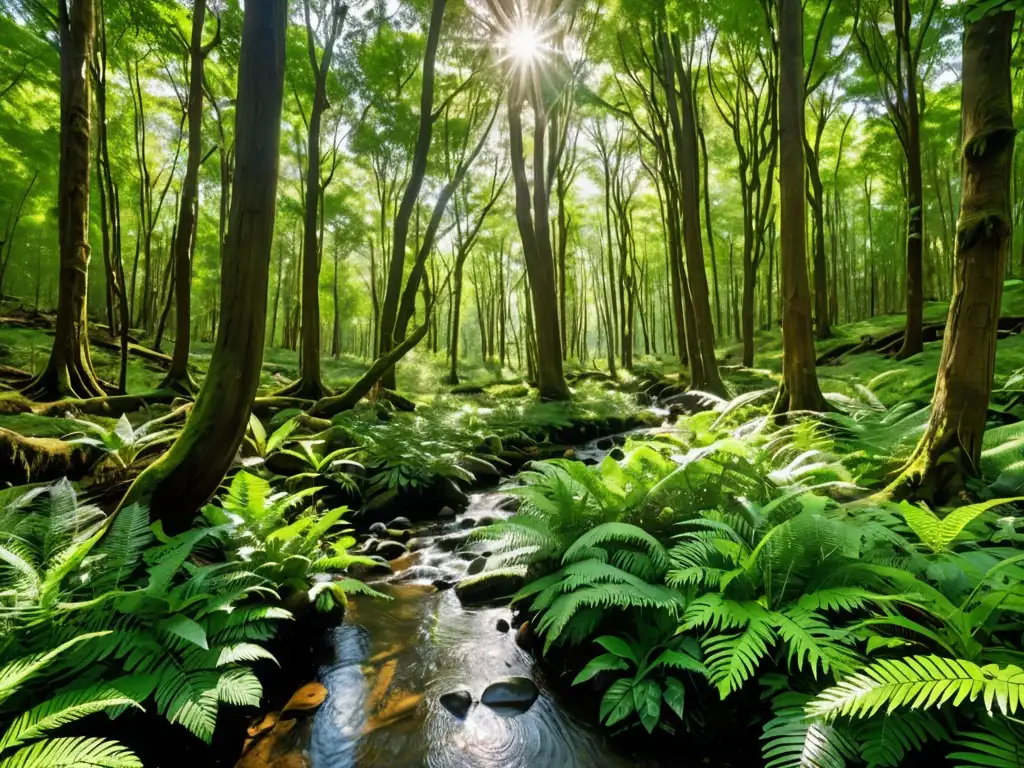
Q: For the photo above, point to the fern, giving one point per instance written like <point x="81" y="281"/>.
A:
<point x="73" y="753"/>
<point x="938" y="534"/>
<point x="792" y="740"/>
<point x="62" y="709"/>
<point x="999" y="744"/>
<point x="920" y="682"/>
<point x="732" y="659"/>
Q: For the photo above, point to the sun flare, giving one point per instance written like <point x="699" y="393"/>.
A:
<point x="523" y="43"/>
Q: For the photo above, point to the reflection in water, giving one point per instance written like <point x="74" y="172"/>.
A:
<point x="394" y="660"/>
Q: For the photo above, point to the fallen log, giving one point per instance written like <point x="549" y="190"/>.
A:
<point x="26" y="460"/>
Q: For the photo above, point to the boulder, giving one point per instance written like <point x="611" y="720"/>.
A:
<point x="480" y="468"/>
<point x="467" y="522"/>
<point x="492" y="586"/>
<point x="502" y="626"/>
<point x="605" y="444"/>
<point x="446" y="513"/>
<point x="510" y="693"/>
<point x="400" y="524"/>
<point x="391" y="550"/>
<point x="477" y="566"/>
<point x="381" y="567"/>
<point x="457" y="702"/>
<point x="617" y="453"/>
<point x="452" y="542"/>
<point x="452" y="495"/>
<point x="379" y="529"/>
<point x="369" y="546"/>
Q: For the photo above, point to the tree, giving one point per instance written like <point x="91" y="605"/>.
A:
<point x="330" y="17"/>
<point x="895" y="67"/>
<point x="69" y="371"/>
<point x="950" y="449"/>
<point x="178" y="377"/>
<point x="176" y="485"/>
<point x="799" y="390"/>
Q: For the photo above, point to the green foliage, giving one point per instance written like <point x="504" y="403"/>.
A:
<point x="266" y="531"/>
<point x="124" y="443"/>
<point x="650" y="664"/>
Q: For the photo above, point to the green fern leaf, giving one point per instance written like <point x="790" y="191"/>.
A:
<point x="999" y="745"/>
<point x="73" y="753"/>
<point x="920" y="682"/>
<point x="938" y="534"/>
<point x="732" y="659"/>
<point x="62" y="709"/>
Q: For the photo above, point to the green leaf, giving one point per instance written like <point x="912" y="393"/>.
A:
<point x="647" y="700"/>
<point x="675" y="695"/>
<point x="186" y="628"/>
<point x="73" y="753"/>
<point x="603" y="663"/>
<point x="617" y="646"/>
<point x="617" y="703"/>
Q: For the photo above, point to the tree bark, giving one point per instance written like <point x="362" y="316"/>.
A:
<point x="184" y="478"/>
<point x="950" y="449"/>
<point x="799" y="389"/>
<point x="179" y="378"/>
<point x="417" y="172"/>
<point x="69" y="371"/>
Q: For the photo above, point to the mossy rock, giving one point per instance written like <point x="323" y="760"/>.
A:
<point x="491" y="586"/>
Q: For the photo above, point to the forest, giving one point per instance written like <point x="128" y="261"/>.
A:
<point x="511" y="383"/>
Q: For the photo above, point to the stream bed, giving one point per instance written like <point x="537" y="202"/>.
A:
<point x="392" y="661"/>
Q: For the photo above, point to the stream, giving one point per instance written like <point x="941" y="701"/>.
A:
<point x="394" y="660"/>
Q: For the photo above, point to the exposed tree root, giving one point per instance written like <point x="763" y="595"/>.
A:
<point x="183" y="384"/>
<point x="263" y="406"/>
<point x="26" y="460"/>
<point x="330" y="406"/>
<point x="113" y="406"/>
<point x="59" y="382"/>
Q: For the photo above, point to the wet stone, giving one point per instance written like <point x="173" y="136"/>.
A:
<point x="391" y="550"/>
<point x="379" y="529"/>
<point x="446" y="512"/>
<point x="443" y="584"/>
<point x="477" y="566"/>
<point x="605" y="444"/>
<point x="485" y="520"/>
<point x="451" y="543"/>
<point x="457" y="702"/>
<point x="510" y="693"/>
<point x="400" y="524"/>
<point x="502" y="626"/>
<point x="467" y="556"/>
<point x="415" y="545"/>
<point x="467" y="522"/>
<point x="617" y="453"/>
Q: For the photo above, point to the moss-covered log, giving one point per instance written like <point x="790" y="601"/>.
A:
<point x="26" y="460"/>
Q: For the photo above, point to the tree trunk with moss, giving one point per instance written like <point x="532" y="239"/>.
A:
<point x="799" y="389"/>
<point x="69" y="371"/>
<point x="182" y="480"/>
<point x="950" y="449"/>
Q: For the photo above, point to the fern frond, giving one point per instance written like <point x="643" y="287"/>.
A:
<point x="732" y="659"/>
<point x="792" y="740"/>
<point x="921" y="682"/>
<point x="73" y="753"/>
<point x="999" y="744"/>
<point x="62" y="709"/>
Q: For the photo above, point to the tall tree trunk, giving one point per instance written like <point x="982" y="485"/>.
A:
<point x="684" y="129"/>
<point x="178" y="376"/>
<point x="310" y="382"/>
<point x="417" y="172"/>
<point x="822" y="330"/>
<point x="183" y="479"/>
<point x="950" y="449"/>
<point x="533" y="230"/>
<point x="69" y="371"/>
<point x="799" y="388"/>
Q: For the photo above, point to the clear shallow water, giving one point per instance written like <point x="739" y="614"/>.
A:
<point x="395" y="659"/>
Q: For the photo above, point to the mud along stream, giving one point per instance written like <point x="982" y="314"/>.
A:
<point x="410" y="676"/>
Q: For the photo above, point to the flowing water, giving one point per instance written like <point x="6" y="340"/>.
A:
<point x="392" y="661"/>
<point x="395" y="659"/>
